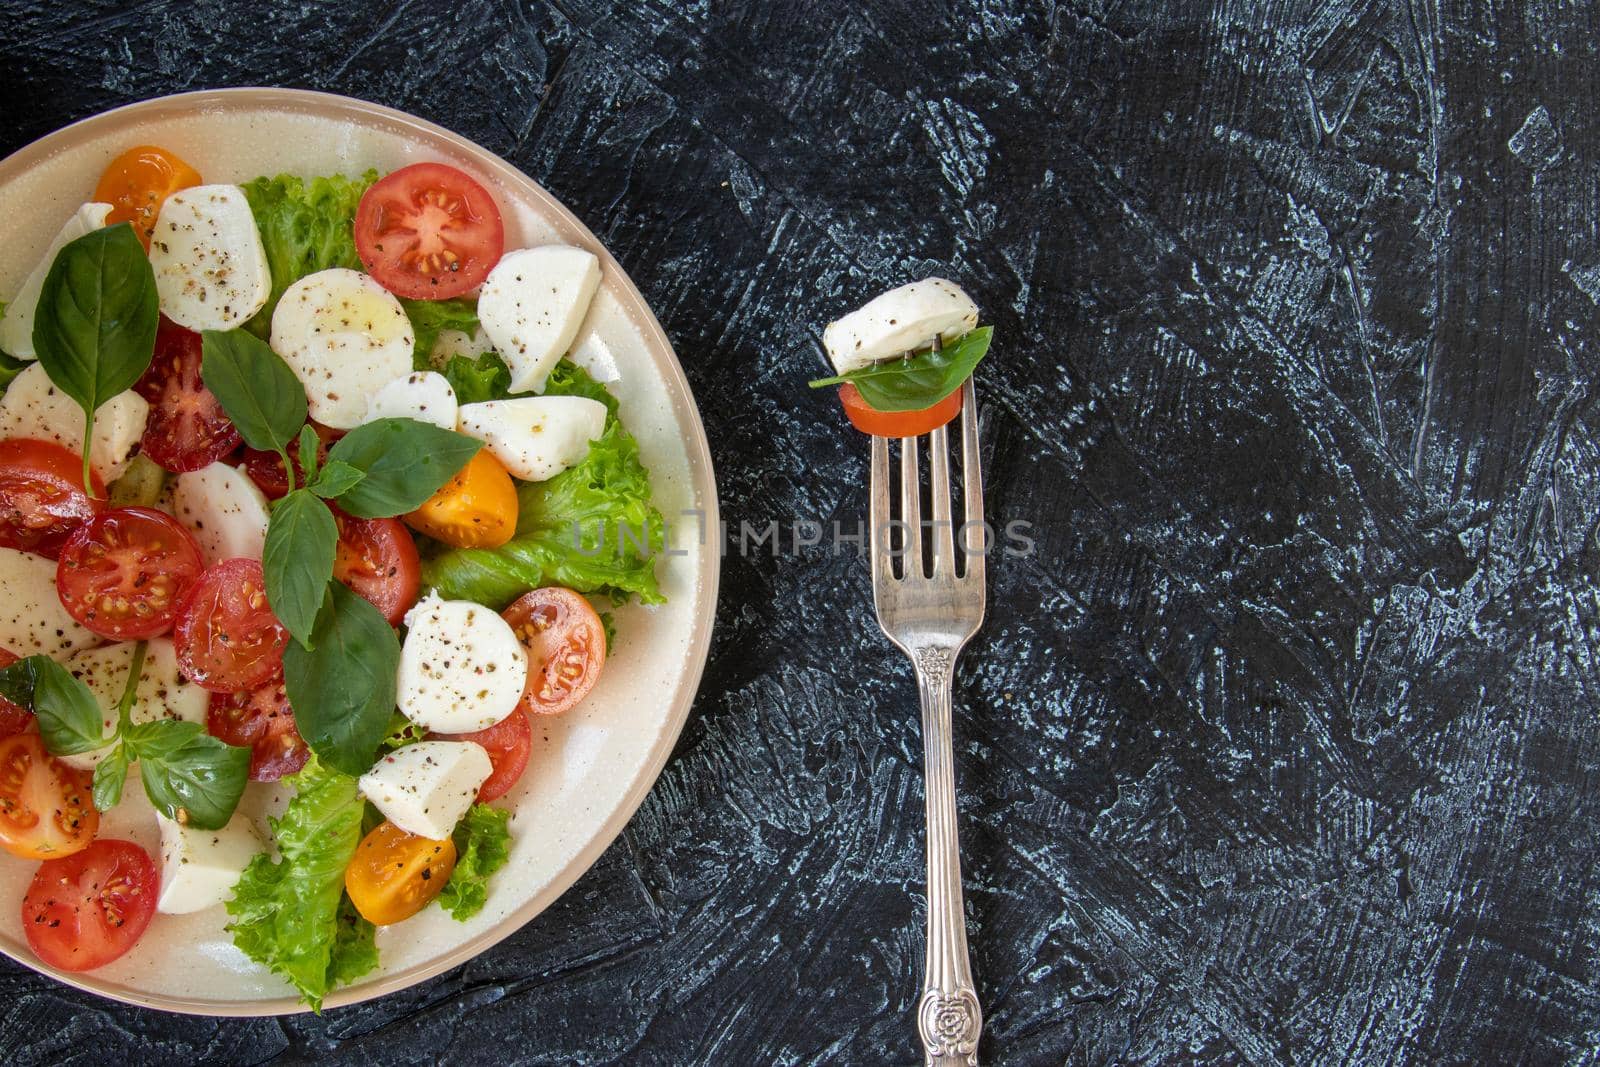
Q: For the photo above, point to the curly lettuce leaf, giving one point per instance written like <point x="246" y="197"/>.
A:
<point x="591" y="528"/>
<point x="306" y="226"/>
<point x="291" y="914"/>
<point x="430" y="318"/>
<point x="483" y="845"/>
<point x="477" y="380"/>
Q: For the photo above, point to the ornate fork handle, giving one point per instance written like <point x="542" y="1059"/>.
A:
<point x="949" y="1018"/>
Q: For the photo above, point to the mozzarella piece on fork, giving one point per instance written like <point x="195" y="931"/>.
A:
<point x="425" y="396"/>
<point x="531" y="306"/>
<point x="16" y="329"/>
<point x="34" y="407"/>
<point x="462" y="668"/>
<point x="32" y="618"/>
<point x="224" y="510"/>
<point x="536" y="437"/>
<point x="425" y="788"/>
<point x="210" y="266"/>
<point x="345" y="336"/>
<point x="899" y="321"/>
<point x="162" y="693"/>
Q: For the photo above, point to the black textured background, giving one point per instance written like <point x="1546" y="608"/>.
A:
<point x="1281" y="749"/>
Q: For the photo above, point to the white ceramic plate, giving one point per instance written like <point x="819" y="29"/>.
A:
<point x="590" y="768"/>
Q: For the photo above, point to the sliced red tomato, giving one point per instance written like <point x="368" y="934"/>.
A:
<point x="85" y="910"/>
<point x="187" y="428"/>
<point x="428" y="232"/>
<point x="266" y="468"/>
<point x="378" y="559"/>
<point x="46" y="808"/>
<point x="14" y="718"/>
<point x="507" y="742"/>
<point x="138" y="182"/>
<point x="227" y="638"/>
<point x="125" y="571"/>
<point x="42" y="499"/>
<point x="868" y="419"/>
<point x="566" y="647"/>
<point x="262" y="721"/>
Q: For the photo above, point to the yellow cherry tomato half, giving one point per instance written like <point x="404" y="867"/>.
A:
<point x="394" y="875"/>
<point x="475" y="509"/>
<point x="138" y="182"/>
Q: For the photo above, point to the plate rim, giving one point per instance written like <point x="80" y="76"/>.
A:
<point x="697" y="447"/>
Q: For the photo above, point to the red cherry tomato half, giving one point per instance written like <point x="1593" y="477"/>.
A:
<point x="85" y="910"/>
<point x="869" y="419"/>
<point x="125" y="571"/>
<point x="428" y="232"/>
<point x="378" y="559"/>
<point x="262" y="721"/>
<point x="13" y="717"/>
<point x="42" y="501"/>
<point x="187" y="428"/>
<point x="227" y="638"/>
<point x="507" y="742"/>
<point x="266" y="469"/>
<point x="566" y="646"/>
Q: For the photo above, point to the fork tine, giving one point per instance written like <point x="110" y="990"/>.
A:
<point x="972" y="478"/>
<point x="944" y="549"/>
<point x="911" y="508"/>
<point x="878" y="512"/>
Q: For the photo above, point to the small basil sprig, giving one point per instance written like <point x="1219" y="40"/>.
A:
<point x="342" y="688"/>
<point x="297" y="560"/>
<point x="95" y="327"/>
<point x="188" y="775"/>
<point x="403" y="462"/>
<point x="256" y="388"/>
<point x="920" y="381"/>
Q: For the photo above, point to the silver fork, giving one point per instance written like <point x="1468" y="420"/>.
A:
<point x="931" y="619"/>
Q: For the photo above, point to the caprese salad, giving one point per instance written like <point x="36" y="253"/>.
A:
<point x="299" y="492"/>
<point x="902" y="358"/>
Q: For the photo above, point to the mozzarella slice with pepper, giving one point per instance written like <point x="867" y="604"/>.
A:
<point x="900" y="321"/>
<point x="199" y="868"/>
<point x="462" y="668"/>
<point x="224" y="510"/>
<point x="34" y="407"/>
<point x="425" y="788"/>
<point x="162" y="693"/>
<point x="531" y="306"/>
<point x="425" y="396"/>
<point x="16" y="329"/>
<point x="31" y="616"/>
<point x="344" y="335"/>
<point x="210" y="266"/>
<point x="536" y="437"/>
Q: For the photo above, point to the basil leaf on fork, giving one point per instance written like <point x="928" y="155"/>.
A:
<point x="919" y="381"/>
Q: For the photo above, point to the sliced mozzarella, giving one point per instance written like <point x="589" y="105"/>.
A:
<point x="210" y="266"/>
<point x="462" y="668"/>
<point x="345" y="336"/>
<point x="452" y="343"/>
<point x="16" y="329"/>
<point x="536" y="437"/>
<point x="31" y="616"/>
<point x="425" y="396"/>
<point x="531" y="306"/>
<point x="34" y="407"/>
<point x="199" y="868"/>
<point x="224" y="510"/>
<point x="162" y="692"/>
<point x="901" y="320"/>
<point x="425" y="788"/>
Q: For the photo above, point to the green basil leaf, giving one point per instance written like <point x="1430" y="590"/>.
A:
<point x="335" y="479"/>
<point x="189" y="775"/>
<point x="921" y="381"/>
<point x="95" y="327"/>
<point x="255" y="387"/>
<point x="405" y="462"/>
<point x="109" y="776"/>
<point x="306" y="453"/>
<point x="342" y="688"/>
<point x="298" y="560"/>
<point x="69" y="717"/>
